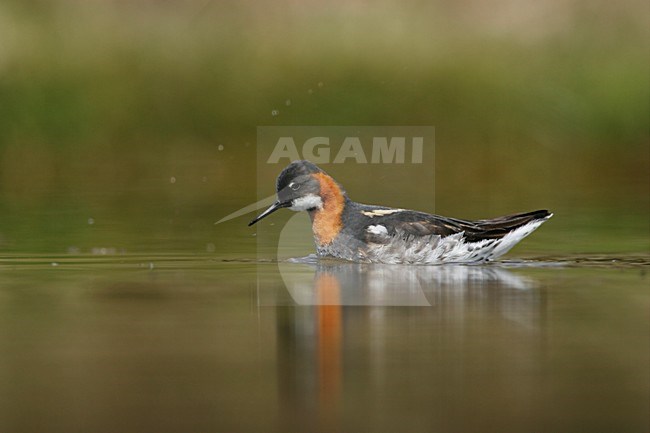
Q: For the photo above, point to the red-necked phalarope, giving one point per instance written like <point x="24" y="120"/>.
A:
<point x="376" y="234"/>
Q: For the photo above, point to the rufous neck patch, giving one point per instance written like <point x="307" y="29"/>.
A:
<point x="327" y="221"/>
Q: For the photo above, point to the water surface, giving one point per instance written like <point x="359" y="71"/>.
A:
<point x="174" y="343"/>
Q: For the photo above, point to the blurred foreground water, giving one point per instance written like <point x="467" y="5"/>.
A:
<point x="192" y="343"/>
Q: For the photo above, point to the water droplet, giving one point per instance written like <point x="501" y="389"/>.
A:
<point x="220" y="147"/>
<point x="172" y="179"/>
<point x="320" y="84"/>
<point x="91" y="221"/>
<point x="274" y="112"/>
<point x="287" y="102"/>
<point x="310" y="91"/>
<point x="55" y="264"/>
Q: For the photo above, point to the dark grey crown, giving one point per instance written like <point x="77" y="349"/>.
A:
<point x="294" y="170"/>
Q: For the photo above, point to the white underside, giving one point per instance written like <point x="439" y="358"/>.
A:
<point x="437" y="250"/>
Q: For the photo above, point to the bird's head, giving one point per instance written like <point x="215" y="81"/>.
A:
<point x="300" y="188"/>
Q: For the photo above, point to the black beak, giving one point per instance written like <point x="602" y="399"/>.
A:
<point x="275" y="206"/>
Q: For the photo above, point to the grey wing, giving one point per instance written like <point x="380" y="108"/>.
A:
<point x="419" y="224"/>
<point x="413" y="224"/>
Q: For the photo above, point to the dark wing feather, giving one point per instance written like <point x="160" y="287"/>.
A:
<point x="498" y="227"/>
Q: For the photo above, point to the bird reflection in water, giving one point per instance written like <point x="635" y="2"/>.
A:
<point x="346" y="314"/>
<point x="329" y="314"/>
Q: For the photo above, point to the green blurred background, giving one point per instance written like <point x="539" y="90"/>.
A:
<point x="130" y="126"/>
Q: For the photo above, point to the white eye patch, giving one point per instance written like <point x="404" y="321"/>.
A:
<point x="309" y="201"/>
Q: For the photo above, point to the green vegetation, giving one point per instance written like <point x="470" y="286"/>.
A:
<point x="102" y="103"/>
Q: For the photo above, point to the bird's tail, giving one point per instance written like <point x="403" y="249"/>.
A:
<point x="499" y="227"/>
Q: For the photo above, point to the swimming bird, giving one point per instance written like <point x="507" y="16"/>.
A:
<point x="364" y="233"/>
